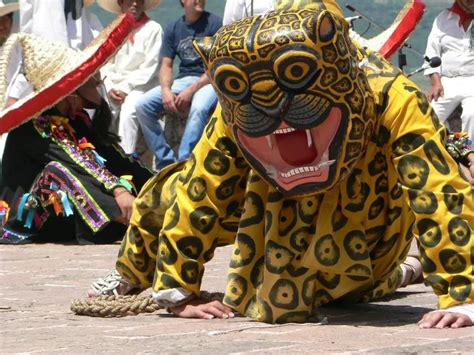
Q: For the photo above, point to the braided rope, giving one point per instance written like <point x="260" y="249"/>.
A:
<point x="122" y="306"/>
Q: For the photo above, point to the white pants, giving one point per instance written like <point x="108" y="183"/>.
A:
<point x="457" y="90"/>
<point x="127" y="126"/>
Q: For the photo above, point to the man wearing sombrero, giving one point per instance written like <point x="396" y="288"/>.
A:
<point x="134" y="69"/>
<point x="58" y="162"/>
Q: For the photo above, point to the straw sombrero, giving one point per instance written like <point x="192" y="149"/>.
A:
<point x="5" y="9"/>
<point x="54" y="70"/>
<point x="113" y="6"/>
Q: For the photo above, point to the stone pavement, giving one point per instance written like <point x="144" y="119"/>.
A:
<point x="38" y="283"/>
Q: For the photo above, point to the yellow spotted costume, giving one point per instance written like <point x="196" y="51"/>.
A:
<point x="393" y="180"/>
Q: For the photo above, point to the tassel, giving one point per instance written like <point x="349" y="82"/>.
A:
<point x="98" y="158"/>
<point x="84" y="144"/>
<point x="4" y="212"/>
<point x="65" y="202"/>
<point x="29" y="218"/>
<point x="21" y="206"/>
<point x="127" y="182"/>
<point x="56" y="202"/>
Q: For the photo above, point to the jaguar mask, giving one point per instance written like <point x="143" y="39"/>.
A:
<point x="293" y="95"/>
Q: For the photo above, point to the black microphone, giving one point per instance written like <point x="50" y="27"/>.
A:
<point x="432" y="62"/>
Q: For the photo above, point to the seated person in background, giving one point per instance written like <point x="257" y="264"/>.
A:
<point x="239" y="9"/>
<point x="63" y="163"/>
<point x="189" y="94"/>
<point x="451" y="39"/>
<point x="134" y="69"/>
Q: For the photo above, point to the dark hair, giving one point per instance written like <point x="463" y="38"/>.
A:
<point x="181" y="2"/>
<point x="10" y="15"/>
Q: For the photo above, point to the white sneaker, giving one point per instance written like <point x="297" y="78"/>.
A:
<point x="112" y="284"/>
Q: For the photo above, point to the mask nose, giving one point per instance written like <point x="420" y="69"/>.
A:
<point x="268" y="98"/>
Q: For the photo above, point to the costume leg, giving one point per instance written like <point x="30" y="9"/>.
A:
<point x="204" y="101"/>
<point x="148" y="109"/>
<point x="128" y="123"/>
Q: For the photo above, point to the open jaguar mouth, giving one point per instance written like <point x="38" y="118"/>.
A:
<point x="293" y="157"/>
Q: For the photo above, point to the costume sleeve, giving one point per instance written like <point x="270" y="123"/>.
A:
<point x="440" y="199"/>
<point x="82" y="158"/>
<point x="433" y="46"/>
<point x="148" y="68"/>
<point x="205" y="213"/>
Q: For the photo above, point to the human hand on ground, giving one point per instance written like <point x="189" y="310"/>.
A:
<point x="169" y="101"/>
<point x="124" y="200"/>
<point x="199" y="308"/>
<point x="445" y="320"/>
<point x="184" y="100"/>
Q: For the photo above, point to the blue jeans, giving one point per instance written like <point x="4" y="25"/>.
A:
<point x="150" y="107"/>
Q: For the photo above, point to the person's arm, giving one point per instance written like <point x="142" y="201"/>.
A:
<point x="166" y="80"/>
<point x="440" y="199"/>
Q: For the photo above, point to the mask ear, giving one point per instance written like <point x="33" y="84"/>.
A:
<point x="326" y="26"/>
<point x="203" y="47"/>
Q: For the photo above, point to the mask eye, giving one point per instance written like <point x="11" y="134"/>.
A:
<point x="231" y="81"/>
<point x="295" y="69"/>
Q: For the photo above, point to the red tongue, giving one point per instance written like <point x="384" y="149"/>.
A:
<point x="294" y="148"/>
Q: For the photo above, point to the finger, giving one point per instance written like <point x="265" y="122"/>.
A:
<point x="200" y="313"/>
<point x="429" y="320"/>
<point x="223" y="308"/>
<point x="462" y="322"/>
<point x="446" y="321"/>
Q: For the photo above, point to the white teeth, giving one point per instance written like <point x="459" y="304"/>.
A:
<point x="284" y="130"/>
<point x="316" y="169"/>
<point x="269" y="141"/>
<point x="309" y="138"/>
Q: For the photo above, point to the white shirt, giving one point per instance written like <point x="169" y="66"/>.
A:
<point x="239" y="9"/>
<point x="135" y="66"/>
<point x="452" y="44"/>
<point x="46" y="19"/>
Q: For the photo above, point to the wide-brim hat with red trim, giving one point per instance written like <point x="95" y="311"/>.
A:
<point x="5" y="9"/>
<point x="54" y="70"/>
<point x="113" y="6"/>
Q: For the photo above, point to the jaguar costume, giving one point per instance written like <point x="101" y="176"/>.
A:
<point x="320" y="165"/>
